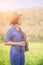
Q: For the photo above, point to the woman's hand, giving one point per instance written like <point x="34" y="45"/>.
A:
<point x="22" y="43"/>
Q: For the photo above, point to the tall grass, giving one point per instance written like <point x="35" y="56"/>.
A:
<point x="35" y="54"/>
<point x="33" y="57"/>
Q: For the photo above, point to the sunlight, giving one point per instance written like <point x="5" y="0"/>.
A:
<point x="4" y="7"/>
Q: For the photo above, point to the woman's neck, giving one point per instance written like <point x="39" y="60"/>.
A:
<point x="17" y="27"/>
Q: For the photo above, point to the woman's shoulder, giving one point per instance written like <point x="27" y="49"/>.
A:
<point x="11" y="28"/>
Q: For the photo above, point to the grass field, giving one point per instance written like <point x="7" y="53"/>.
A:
<point x="33" y="57"/>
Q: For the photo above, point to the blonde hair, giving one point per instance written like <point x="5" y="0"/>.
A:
<point x="15" y="16"/>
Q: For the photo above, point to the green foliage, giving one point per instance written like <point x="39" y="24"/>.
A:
<point x="1" y="37"/>
<point x="35" y="54"/>
<point x="33" y="57"/>
<point x="40" y="62"/>
<point x="4" y="55"/>
<point x="33" y="38"/>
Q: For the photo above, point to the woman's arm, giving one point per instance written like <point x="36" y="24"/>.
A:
<point x="23" y="43"/>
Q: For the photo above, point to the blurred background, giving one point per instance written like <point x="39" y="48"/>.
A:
<point x="32" y="24"/>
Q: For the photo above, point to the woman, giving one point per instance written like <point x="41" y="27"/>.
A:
<point x="15" y="37"/>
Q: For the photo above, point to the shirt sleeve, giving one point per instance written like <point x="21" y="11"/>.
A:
<point x="8" y="35"/>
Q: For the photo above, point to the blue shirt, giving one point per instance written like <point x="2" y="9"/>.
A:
<point x="14" y="36"/>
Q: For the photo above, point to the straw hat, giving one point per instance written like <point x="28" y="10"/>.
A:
<point x="14" y="17"/>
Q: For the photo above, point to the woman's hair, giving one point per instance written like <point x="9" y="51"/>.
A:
<point x="15" y="18"/>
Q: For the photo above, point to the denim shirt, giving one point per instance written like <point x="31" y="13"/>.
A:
<point x="14" y="36"/>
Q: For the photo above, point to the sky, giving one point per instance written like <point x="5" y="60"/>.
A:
<point x="6" y="5"/>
